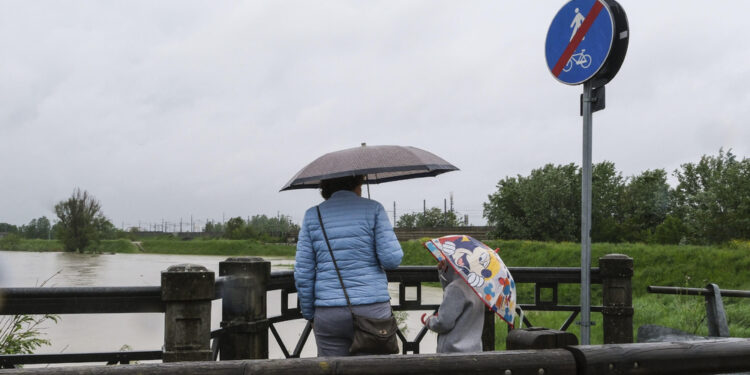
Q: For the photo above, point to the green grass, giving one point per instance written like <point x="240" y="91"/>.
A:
<point x="163" y="246"/>
<point x="691" y="266"/>
<point x="104" y="246"/>
<point x="31" y="245"/>
<point x="217" y="247"/>
<point x="666" y="265"/>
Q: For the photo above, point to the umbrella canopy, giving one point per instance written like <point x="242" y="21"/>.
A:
<point x="377" y="163"/>
<point x="480" y="267"/>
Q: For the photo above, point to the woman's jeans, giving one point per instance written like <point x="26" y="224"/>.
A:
<point x="334" y="327"/>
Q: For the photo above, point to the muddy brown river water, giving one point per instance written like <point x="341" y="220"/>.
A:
<point x="77" y="333"/>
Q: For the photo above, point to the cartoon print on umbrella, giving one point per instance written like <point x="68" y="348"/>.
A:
<point x="482" y="269"/>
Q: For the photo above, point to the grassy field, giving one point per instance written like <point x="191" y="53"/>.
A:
<point x="163" y="246"/>
<point x="218" y="247"/>
<point x="685" y="266"/>
<point x="688" y="266"/>
<point x="106" y="246"/>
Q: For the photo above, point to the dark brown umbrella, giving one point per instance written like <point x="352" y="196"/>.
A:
<point x="377" y="163"/>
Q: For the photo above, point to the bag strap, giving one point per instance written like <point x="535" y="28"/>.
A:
<point x="341" y="280"/>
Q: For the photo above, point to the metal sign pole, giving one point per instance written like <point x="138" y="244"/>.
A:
<point x="586" y="43"/>
<point x="586" y="217"/>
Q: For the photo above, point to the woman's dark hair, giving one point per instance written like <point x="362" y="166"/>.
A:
<point x="330" y="186"/>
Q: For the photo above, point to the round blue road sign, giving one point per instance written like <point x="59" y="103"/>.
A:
<point x="579" y="40"/>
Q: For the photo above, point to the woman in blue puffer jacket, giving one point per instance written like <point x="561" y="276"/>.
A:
<point x="364" y="245"/>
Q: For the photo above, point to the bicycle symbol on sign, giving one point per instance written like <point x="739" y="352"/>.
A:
<point x="581" y="59"/>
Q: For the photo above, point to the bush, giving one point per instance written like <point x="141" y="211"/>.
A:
<point x="20" y="334"/>
<point x="670" y="232"/>
<point x="10" y="242"/>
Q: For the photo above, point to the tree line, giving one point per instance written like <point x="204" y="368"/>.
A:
<point x="432" y="218"/>
<point x="259" y="227"/>
<point x="709" y="205"/>
<point x="81" y="225"/>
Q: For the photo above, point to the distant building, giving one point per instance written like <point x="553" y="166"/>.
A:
<point x="3" y="234"/>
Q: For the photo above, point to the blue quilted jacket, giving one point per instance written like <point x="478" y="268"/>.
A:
<point x="356" y="228"/>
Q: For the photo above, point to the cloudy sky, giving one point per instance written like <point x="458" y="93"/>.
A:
<point x="167" y="109"/>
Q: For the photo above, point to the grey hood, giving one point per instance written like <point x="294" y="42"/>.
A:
<point x="448" y="276"/>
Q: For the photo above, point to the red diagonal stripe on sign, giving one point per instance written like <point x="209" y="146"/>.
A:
<point x="590" y="17"/>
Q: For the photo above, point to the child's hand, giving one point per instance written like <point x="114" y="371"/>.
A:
<point x="441" y="265"/>
<point x="425" y="318"/>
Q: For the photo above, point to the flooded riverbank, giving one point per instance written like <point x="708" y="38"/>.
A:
<point x="112" y="332"/>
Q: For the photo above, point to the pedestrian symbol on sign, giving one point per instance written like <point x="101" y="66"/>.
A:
<point x="577" y="22"/>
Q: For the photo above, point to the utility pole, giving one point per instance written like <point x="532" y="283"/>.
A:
<point x="445" y="212"/>
<point x="451" y="201"/>
<point x="394" y="213"/>
<point x="424" y="206"/>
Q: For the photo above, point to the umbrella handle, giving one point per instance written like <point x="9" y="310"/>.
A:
<point x="368" y="187"/>
<point x="519" y="311"/>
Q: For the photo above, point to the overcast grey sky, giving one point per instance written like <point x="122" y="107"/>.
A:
<point x="167" y="109"/>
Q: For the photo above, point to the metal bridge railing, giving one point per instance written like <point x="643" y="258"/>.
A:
<point x="186" y="292"/>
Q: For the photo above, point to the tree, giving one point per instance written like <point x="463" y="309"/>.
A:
<point x="645" y="204"/>
<point x="80" y="220"/>
<point x="432" y="218"/>
<point x="671" y="231"/>
<point x="213" y="229"/>
<point x="235" y="229"/>
<point x="607" y="186"/>
<point x="544" y="206"/>
<point x="712" y="198"/>
<point x="270" y="228"/>
<point x="8" y="228"/>
<point x="407" y="221"/>
<point x="105" y="229"/>
<point x="37" y="228"/>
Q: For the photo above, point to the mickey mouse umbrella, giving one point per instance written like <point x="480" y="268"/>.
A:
<point x="481" y="268"/>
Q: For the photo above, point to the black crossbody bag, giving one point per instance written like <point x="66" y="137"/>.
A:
<point x="371" y="335"/>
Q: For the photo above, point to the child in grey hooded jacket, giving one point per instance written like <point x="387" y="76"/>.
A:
<point x="460" y="318"/>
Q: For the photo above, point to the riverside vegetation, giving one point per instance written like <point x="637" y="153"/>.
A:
<point x="668" y="265"/>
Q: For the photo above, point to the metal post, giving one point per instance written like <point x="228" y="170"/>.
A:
<point x="586" y="218"/>
<point x="488" y="331"/>
<point x="716" y="317"/>
<point x="187" y="291"/>
<point x="243" y="306"/>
